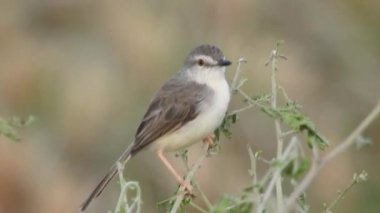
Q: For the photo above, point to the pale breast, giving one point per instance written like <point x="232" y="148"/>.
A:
<point x="210" y="117"/>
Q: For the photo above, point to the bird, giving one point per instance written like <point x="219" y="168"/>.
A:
<point x="185" y="110"/>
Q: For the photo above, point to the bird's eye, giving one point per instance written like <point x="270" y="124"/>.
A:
<point x="201" y="62"/>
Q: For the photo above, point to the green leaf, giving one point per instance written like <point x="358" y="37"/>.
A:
<point x="302" y="203"/>
<point x="232" y="205"/>
<point x="8" y="128"/>
<point x="296" y="168"/>
<point x="262" y="99"/>
<point x="226" y="125"/>
<point x="292" y="117"/>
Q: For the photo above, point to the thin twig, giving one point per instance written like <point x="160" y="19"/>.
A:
<point x="200" y="209"/>
<point x="276" y="175"/>
<point x="253" y="173"/>
<point x="236" y="111"/>
<point x="122" y="203"/>
<point x="355" y="134"/>
<point x="249" y="99"/>
<point x="203" y="195"/>
<point x="181" y="192"/>
<point x="237" y="74"/>
<point x="287" y="99"/>
<point x="290" y="132"/>
<point x="355" y="179"/>
<point x="280" y="143"/>
<point x="318" y="163"/>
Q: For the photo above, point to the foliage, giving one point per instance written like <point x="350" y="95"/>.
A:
<point x="126" y="203"/>
<point x="291" y="116"/>
<point x="9" y="128"/>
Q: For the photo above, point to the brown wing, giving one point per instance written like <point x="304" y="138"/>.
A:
<point x="174" y="105"/>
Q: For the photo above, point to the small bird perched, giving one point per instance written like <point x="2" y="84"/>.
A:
<point x="185" y="110"/>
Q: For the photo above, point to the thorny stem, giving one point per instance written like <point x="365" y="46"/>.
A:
<point x="249" y="106"/>
<point x="181" y="193"/>
<point x="276" y="175"/>
<point x="356" y="179"/>
<point x="355" y="134"/>
<point x="200" y="209"/>
<point x="204" y="197"/>
<point x="122" y="202"/>
<point x="318" y="162"/>
<point x="234" y="83"/>
<point x="253" y="173"/>
<point x="249" y="99"/>
<point x="290" y="132"/>
<point x="280" y="142"/>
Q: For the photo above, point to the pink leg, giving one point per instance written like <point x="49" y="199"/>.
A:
<point x="187" y="186"/>
<point x="209" y="140"/>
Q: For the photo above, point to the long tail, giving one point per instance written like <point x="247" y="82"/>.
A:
<point x="106" y="179"/>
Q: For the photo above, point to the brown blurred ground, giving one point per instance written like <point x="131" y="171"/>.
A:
<point x="87" y="69"/>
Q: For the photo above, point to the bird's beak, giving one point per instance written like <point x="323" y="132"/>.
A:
<point x="224" y="62"/>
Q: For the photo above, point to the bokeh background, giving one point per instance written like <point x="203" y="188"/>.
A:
<point x="87" y="69"/>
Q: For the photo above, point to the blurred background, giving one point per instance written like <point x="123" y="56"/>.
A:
<point x="87" y="70"/>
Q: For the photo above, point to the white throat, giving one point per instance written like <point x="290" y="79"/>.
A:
<point x="209" y="76"/>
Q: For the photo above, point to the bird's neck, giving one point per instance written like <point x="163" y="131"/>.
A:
<point x="210" y="76"/>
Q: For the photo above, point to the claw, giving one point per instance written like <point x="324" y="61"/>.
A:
<point x="209" y="140"/>
<point x="187" y="187"/>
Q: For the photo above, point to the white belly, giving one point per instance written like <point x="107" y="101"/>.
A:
<point x="210" y="117"/>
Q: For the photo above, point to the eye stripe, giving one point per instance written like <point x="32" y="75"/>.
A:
<point x="204" y="61"/>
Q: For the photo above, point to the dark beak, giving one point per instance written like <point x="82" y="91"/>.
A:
<point x="224" y="62"/>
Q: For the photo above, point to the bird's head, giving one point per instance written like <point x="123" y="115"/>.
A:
<point x="206" y="58"/>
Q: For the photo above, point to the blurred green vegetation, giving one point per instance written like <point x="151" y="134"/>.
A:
<point x="87" y="69"/>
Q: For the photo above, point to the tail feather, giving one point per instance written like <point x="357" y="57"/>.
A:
<point x="106" y="179"/>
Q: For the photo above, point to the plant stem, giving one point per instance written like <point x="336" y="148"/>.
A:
<point x="356" y="179"/>
<point x="276" y="175"/>
<point x="235" y="79"/>
<point x="122" y="203"/>
<point x="200" y="209"/>
<point x="189" y="176"/>
<point x="204" y="197"/>
<point x="249" y="106"/>
<point x="280" y="142"/>
<point x="318" y="163"/>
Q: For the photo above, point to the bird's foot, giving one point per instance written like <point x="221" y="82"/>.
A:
<point x="209" y="141"/>
<point x="188" y="189"/>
